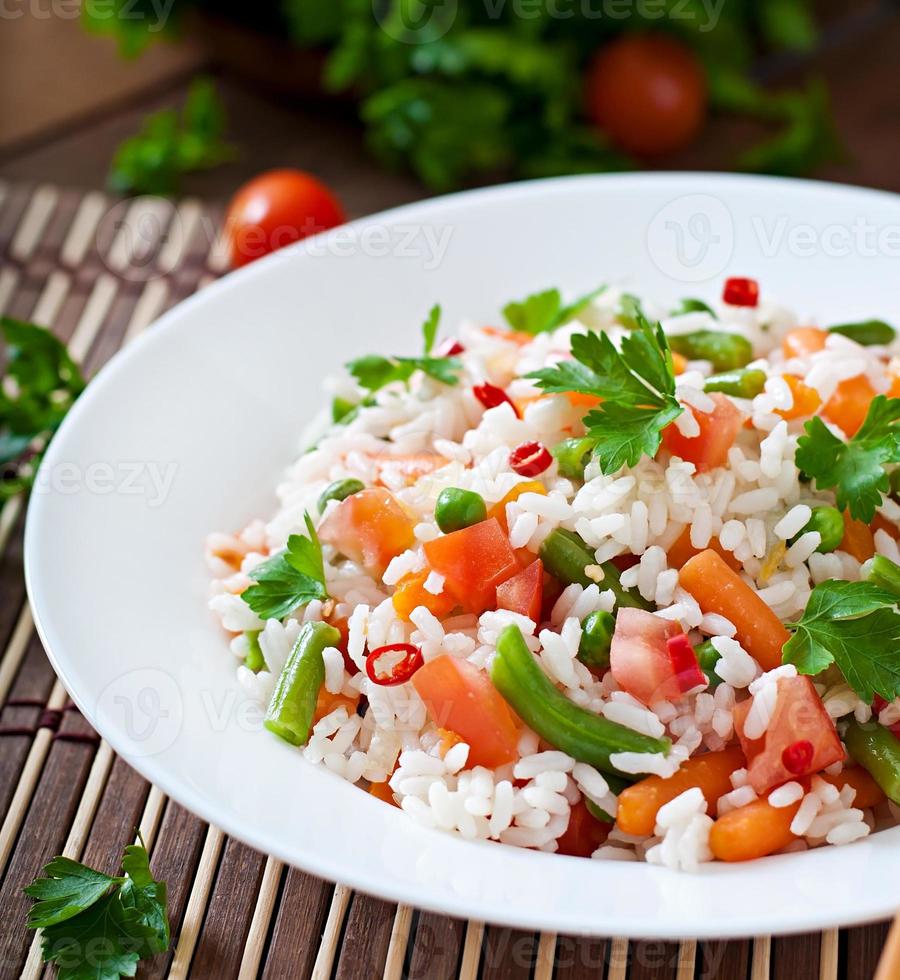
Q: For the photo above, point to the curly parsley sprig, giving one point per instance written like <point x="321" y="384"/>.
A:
<point x="854" y="469"/>
<point x="636" y="388"/>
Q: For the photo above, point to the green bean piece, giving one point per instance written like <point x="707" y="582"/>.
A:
<point x="531" y="694"/>
<point x="342" y="409"/>
<point x="829" y="522"/>
<point x="572" y="456"/>
<point x="707" y="657"/>
<point x="867" y="332"/>
<point x="885" y="574"/>
<point x="254" y="660"/>
<point x="747" y="383"/>
<point x="566" y="556"/>
<point x="290" y="712"/>
<point x="456" y="509"/>
<point x="725" y="351"/>
<point x="340" y="490"/>
<point x="877" y="750"/>
<point x="692" y="305"/>
<point x="596" y="639"/>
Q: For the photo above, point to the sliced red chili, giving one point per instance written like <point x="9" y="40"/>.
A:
<point x="491" y="396"/>
<point x="530" y="459"/>
<point x="741" y="292"/>
<point x="683" y="658"/>
<point x="798" y="756"/>
<point x="449" y="348"/>
<point x="401" y="671"/>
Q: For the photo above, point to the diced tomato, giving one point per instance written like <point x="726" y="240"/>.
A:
<point x="524" y="593"/>
<point x="642" y="662"/>
<point x="370" y="528"/>
<point x="393" y="470"/>
<point x="462" y="698"/>
<point x="718" y="430"/>
<point x="681" y="551"/>
<point x="806" y="399"/>
<point x="473" y="561"/>
<point x="584" y="833"/>
<point x="740" y="291"/>
<point x="411" y="593"/>
<point x="499" y="509"/>
<point x="803" y="341"/>
<point x="801" y="738"/>
<point x="848" y="406"/>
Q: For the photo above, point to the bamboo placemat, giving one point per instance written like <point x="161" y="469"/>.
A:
<point x="98" y="272"/>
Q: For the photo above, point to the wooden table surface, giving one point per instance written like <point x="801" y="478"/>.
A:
<point x="234" y="912"/>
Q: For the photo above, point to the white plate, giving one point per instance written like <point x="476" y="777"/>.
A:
<point x="213" y="398"/>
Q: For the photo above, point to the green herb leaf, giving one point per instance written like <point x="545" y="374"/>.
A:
<point x="854" y="469"/>
<point x="430" y="327"/>
<point x="636" y="385"/>
<point x="96" y="927"/>
<point x="171" y="144"/>
<point x="292" y="578"/>
<point x="544" y="311"/>
<point x="855" y="625"/>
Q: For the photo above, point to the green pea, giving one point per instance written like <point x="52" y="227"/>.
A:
<point x="340" y="490"/>
<point x="573" y="455"/>
<point x="829" y="522"/>
<point x="867" y="332"/>
<point x="692" y="305"/>
<point x="596" y="639"/>
<point x="707" y="657"/>
<point x="456" y="509"/>
<point x="725" y="351"/>
<point x="741" y="384"/>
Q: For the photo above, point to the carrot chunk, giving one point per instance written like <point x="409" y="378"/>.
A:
<point x="719" y="589"/>
<point x="868" y="792"/>
<point x="848" y="406"/>
<point x="752" y="831"/>
<point x="803" y="341"/>
<point x="858" y="540"/>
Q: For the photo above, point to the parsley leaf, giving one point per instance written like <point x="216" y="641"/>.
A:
<point x="373" y="371"/>
<point x="544" y="311"/>
<point x="636" y="385"/>
<point x="40" y="385"/>
<point x="96" y="927"/>
<point x="292" y="578"/>
<point x="855" y="625"/>
<point x="854" y="469"/>
<point x="171" y="144"/>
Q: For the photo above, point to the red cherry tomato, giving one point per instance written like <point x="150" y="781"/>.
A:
<point x="648" y="93"/>
<point x="276" y="208"/>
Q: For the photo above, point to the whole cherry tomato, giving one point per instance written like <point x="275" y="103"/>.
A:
<point x="648" y="93"/>
<point x="276" y="208"/>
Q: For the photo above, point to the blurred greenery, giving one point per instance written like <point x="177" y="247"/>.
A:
<point x="461" y="90"/>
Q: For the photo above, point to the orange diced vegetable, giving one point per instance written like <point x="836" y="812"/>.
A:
<point x="803" y="341"/>
<point x="881" y="523"/>
<point x="370" y="528"/>
<point x="858" y="540"/>
<point x="473" y="561"/>
<point x="752" y="831"/>
<point x="448" y="739"/>
<point x="806" y="399"/>
<point x="639" y="803"/>
<point x="719" y="589"/>
<point x="513" y="336"/>
<point x="581" y="399"/>
<point x="718" y="430"/>
<point x="679" y="362"/>
<point x="461" y="697"/>
<point x="383" y="791"/>
<point x="848" y="406"/>
<point x="524" y="593"/>
<point x="868" y="792"/>
<point x="498" y="510"/>
<point x="682" y="551"/>
<point x="411" y="593"/>
<point x="328" y="702"/>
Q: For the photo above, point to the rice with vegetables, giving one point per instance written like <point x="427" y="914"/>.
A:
<point x="610" y="581"/>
